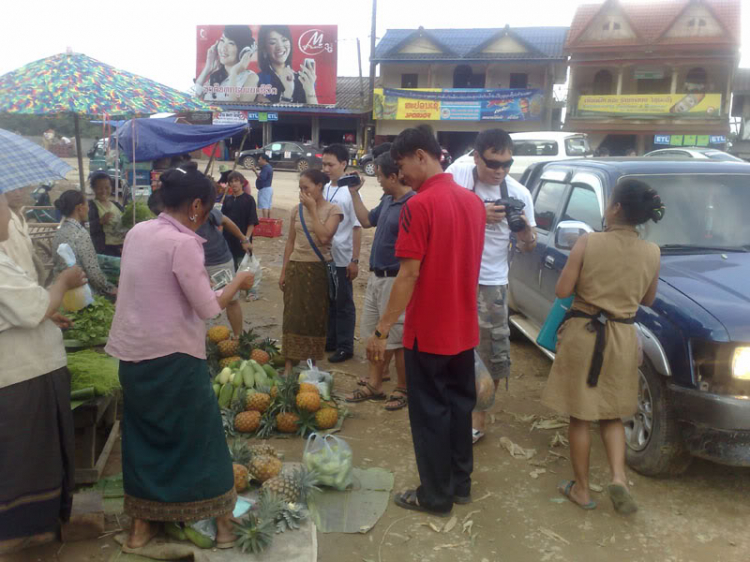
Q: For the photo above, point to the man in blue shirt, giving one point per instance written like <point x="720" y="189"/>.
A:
<point x="263" y="185"/>
<point x="384" y="266"/>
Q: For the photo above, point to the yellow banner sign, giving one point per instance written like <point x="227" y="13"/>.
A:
<point x="677" y="105"/>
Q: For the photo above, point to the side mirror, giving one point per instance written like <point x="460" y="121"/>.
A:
<point x="567" y="233"/>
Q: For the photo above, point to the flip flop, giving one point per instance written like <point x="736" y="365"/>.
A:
<point x="565" y="487"/>
<point x="227" y="544"/>
<point x="408" y="500"/>
<point x="622" y="501"/>
<point x="399" y="397"/>
<point x="476" y="435"/>
<point x="363" y="382"/>
<point x="359" y="395"/>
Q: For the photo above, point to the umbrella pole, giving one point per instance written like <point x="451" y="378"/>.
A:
<point x="242" y="146"/>
<point x="213" y="155"/>
<point x="79" y="151"/>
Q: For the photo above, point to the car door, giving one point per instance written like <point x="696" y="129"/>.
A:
<point x="526" y="268"/>
<point x="275" y="151"/>
<point x="584" y="202"/>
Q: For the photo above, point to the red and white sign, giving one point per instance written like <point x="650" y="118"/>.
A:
<point x="267" y="64"/>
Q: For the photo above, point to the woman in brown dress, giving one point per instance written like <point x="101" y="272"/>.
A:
<point x="304" y="279"/>
<point x="611" y="272"/>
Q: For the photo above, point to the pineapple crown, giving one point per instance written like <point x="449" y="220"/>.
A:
<point x="254" y="534"/>
<point x="240" y="452"/>
<point x="307" y="424"/>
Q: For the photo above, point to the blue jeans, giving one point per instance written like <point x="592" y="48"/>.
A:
<point x="342" y="316"/>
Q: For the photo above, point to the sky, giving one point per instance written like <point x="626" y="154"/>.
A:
<point x="157" y="38"/>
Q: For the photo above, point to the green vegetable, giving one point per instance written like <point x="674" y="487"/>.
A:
<point x="270" y="371"/>
<point x="237" y="379"/>
<point x="217" y="389"/>
<point x="89" y="368"/>
<point x="175" y="531"/>
<point x="248" y="375"/>
<point x="142" y="213"/>
<point x="223" y="376"/>
<point x="91" y="323"/>
<point x="198" y="539"/>
<point x="225" y="395"/>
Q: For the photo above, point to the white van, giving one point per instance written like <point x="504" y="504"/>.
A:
<point x="542" y="146"/>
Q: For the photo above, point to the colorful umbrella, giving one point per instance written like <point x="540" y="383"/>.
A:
<point x="24" y="163"/>
<point x="77" y="84"/>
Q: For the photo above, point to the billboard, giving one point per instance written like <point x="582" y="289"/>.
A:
<point x="253" y="64"/>
<point x="677" y="105"/>
<point x="458" y="104"/>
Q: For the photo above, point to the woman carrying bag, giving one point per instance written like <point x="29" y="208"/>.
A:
<point x="304" y="277"/>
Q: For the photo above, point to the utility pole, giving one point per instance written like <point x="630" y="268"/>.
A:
<point x="373" y="35"/>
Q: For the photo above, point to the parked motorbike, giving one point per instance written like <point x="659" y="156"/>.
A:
<point x="41" y="197"/>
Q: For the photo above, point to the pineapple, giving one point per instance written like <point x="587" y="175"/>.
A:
<point x="240" y="452"/>
<point x="254" y="534"/>
<point x="286" y="422"/>
<point x="293" y="487"/>
<point x="264" y="449"/>
<point x="291" y="517"/>
<point x="274" y="392"/>
<point x="308" y="401"/>
<point x="241" y="477"/>
<point x="218" y="334"/>
<point x="228" y="348"/>
<point x="270" y="346"/>
<point x="247" y="343"/>
<point x="260" y="356"/>
<point x="228" y="361"/>
<point x="258" y="402"/>
<point x="308" y="387"/>
<point x="327" y="418"/>
<point x="247" y="422"/>
<point x="306" y="424"/>
<point x="264" y="467"/>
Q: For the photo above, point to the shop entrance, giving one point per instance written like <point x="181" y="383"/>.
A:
<point x="457" y="143"/>
<point x="617" y="145"/>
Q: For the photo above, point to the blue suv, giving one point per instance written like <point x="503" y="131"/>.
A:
<point x="694" y="391"/>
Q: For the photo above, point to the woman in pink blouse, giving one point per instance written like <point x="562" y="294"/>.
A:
<point x="176" y="464"/>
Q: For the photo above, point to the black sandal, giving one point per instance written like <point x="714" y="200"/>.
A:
<point x="408" y="500"/>
<point x="400" y="399"/>
<point x="360" y="395"/>
<point x="365" y="382"/>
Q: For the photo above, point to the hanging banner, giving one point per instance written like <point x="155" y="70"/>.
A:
<point x="266" y="64"/>
<point x="230" y="117"/>
<point x="458" y="104"/>
<point x="695" y="105"/>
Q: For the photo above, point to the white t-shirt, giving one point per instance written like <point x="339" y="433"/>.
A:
<point x="494" y="270"/>
<point x="343" y="244"/>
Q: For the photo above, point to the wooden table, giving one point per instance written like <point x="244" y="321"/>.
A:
<point x="96" y="429"/>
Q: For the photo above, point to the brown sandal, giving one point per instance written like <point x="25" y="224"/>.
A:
<point x="400" y="399"/>
<point x="360" y="395"/>
<point x="364" y="382"/>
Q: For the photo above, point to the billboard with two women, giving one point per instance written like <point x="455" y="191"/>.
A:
<point x="252" y="64"/>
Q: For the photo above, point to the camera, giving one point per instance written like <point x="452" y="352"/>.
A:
<point x="350" y="180"/>
<point x="513" y="213"/>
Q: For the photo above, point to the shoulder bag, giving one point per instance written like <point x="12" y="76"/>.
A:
<point x="333" y="280"/>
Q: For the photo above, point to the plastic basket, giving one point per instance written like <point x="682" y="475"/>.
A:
<point x="269" y="228"/>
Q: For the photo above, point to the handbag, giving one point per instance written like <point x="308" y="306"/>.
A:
<point x="333" y="279"/>
<point x="548" y="334"/>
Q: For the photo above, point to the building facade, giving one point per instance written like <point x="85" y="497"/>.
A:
<point x="462" y="81"/>
<point x="652" y="75"/>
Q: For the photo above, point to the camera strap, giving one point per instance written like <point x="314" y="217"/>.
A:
<point x="503" y="185"/>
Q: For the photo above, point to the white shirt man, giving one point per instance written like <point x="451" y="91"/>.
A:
<point x="342" y="247"/>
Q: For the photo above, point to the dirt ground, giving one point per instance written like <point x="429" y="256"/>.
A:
<point x="517" y="515"/>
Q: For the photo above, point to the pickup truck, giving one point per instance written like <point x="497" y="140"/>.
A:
<point x="694" y="383"/>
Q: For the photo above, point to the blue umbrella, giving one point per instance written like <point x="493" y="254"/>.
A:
<point x="23" y="163"/>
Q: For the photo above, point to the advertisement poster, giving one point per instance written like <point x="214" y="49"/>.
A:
<point x="246" y="64"/>
<point x="458" y="105"/>
<point x="682" y="105"/>
<point x="230" y="117"/>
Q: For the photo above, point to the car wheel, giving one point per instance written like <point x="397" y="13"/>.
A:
<point x="370" y="169"/>
<point x="654" y="443"/>
<point x="248" y="162"/>
<point x="302" y="165"/>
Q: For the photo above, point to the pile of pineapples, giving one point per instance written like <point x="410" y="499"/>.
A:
<point x="282" y="498"/>
<point x="223" y="350"/>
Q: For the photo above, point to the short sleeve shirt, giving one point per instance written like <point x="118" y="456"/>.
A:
<point x="216" y="248"/>
<point x="265" y="177"/>
<point x="343" y="242"/>
<point x="442" y="226"/>
<point x="302" y="249"/>
<point x="243" y="213"/>
<point x="386" y="217"/>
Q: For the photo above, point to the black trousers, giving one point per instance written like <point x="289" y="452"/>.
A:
<point x="342" y="316"/>
<point x="442" y="395"/>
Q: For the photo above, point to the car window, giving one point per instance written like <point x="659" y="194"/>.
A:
<point x="719" y="155"/>
<point x="547" y="202"/>
<point x="276" y="146"/>
<point x="534" y="148"/>
<point x="670" y="154"/>
<point x="577" y="146"/>
<point x="583" y="206"/>
<point x="291" y="147"/>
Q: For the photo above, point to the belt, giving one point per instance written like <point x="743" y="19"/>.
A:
<point x="597" y="325"/>
<point x="385" y="272"/>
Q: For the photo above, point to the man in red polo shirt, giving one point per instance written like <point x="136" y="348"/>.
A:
<point x="440" y="243"/>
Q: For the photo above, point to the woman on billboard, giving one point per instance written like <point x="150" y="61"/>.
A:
<point x="226" y="76"/>
<point x="274" y="59"/>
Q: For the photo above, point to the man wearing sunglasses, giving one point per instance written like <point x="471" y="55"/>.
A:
<point x="490" y="179"/>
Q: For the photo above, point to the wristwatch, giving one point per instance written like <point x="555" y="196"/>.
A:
<point x="355" y="261"/>
<point x="380" y="336"/>
<point x="245" y="240"/>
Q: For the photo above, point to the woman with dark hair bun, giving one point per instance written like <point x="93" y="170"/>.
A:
<point x="275" y="61"/>
<point x="595" y="373"/>
<point x="226" y="76"/>
<point x="304" y="279"/>
<point x="75" y="211"/>
<point x="176" y="465"/>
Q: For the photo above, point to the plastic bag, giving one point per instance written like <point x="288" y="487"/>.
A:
<point x="252" y="264"/>
<point x="322" y="379"/>
<point x="331" y="458"/>
<point x="79" y="298"/>
<point x="485" y="385"/>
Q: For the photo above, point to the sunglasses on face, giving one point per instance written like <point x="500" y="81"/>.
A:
<point x="497" y="164"/>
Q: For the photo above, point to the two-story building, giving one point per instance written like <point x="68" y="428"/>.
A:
<point x="650" y="75"/>
<point x="462" y="81"/>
